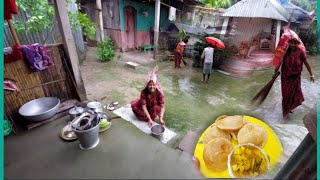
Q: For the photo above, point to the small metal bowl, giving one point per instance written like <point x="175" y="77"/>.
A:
<point x="157" y="130"/>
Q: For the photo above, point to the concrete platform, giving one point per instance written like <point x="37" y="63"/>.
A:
<point x="124" y="152"/>
<point x="126" y="113"/>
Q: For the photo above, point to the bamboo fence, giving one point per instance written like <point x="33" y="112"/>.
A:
<point x="56" y="81"/>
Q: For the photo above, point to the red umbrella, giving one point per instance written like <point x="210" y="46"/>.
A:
<point x="215" y="41"/>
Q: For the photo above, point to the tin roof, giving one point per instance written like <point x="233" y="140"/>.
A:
<point x="270" y="9"/>
<point x="298" y="14"/>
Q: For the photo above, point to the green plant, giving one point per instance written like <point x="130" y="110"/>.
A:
<point x="218" y="3"/>
<point x="181" y="34"/>
<point x="186" y="21"/>
<point x="313" y="50"/>
<point x="105" y="50"/>
<point x="80" y="19"/>
<point x="40" y="16"/>
<point x="309" y="38"/>
<point x="219" y="54"/>
<point x="308" y="5"/>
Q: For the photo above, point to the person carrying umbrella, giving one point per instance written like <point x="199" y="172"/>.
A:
<point x="207" y="55"/>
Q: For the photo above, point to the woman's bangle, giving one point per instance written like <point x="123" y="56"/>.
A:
<point x="312" y="75"/>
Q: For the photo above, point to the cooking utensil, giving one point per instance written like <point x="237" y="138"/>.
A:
<point x="88" y="137"/>
<point x="40" y="109"/>
<point x="106" y="116"/>
<point x="67" y="133"/>
<point x="95" y="106"/>
<point x="157" y="130"/>
<point x="75" y="112"/>
<point x="263" y="153"/>
<point x="102" y="129"/>
<point x="84" y="121"/>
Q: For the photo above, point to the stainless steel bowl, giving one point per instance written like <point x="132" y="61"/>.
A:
<point x="40" y="109"/>
<point x="157" y="130"/>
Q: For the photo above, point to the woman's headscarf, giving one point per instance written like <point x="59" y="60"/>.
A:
<point x="153" y="76"/>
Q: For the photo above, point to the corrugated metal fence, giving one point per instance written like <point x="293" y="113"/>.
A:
<point x="52" y="37"/>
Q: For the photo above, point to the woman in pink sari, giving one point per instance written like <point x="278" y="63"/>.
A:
<point x="291" y="69"/>
<point x="150" y="106"/>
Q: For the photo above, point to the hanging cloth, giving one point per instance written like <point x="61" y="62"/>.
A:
<point x="153" y="76"/>
<point x="172" y="13"/>
<point x="10" y="85"/>
<point x="9" y="9"/>
<point x="37" y="57"/>
<point x="12" y="54"/>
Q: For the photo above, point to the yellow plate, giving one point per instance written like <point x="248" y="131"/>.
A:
<point x="272" y="147"/>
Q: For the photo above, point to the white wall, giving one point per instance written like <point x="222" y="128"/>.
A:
<point x="246" y="28"/>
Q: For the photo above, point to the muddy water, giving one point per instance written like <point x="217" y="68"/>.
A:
<point x="193" y="105"/>
<point x="190" y="104"/>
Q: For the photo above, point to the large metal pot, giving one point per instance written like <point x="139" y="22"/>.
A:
<point x="40" y="109"/>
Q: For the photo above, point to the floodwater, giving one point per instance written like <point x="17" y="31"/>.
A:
<point x="190" y="104"/>
<point x="194" y="105"/>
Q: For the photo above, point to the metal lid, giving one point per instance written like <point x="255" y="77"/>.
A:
<point x="94" y="104"/>
<point x="76" y="110"/>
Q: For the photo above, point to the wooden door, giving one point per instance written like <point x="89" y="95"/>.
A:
<point x="129" y="26"/>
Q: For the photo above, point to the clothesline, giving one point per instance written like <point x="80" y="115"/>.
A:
<point x="169" y="6"/>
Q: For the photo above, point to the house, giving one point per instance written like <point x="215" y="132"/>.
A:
<point x="252" y="18"/>
<point x="256" y="26"/>
<point x="130" y="23"/>
<point x="299" y="18"/>
<point x="208" y="17"/>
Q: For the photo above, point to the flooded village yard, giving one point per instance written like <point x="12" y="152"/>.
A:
<point x="190" y="104"/>
<point x="72" y="69"/>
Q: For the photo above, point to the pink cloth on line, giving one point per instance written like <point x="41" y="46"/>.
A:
<point x="11" y="86"/>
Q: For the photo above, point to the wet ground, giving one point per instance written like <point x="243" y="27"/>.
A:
<point x="190" y="104"/>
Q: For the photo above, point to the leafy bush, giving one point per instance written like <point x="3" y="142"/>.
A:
<point x="309" y="38"/>
<point x="105" y="50"/>
<point x="80" y="19"/>
<point x="40" y="18"/>
<point x="313" y="50"/>
<point x="219" y="54"/>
